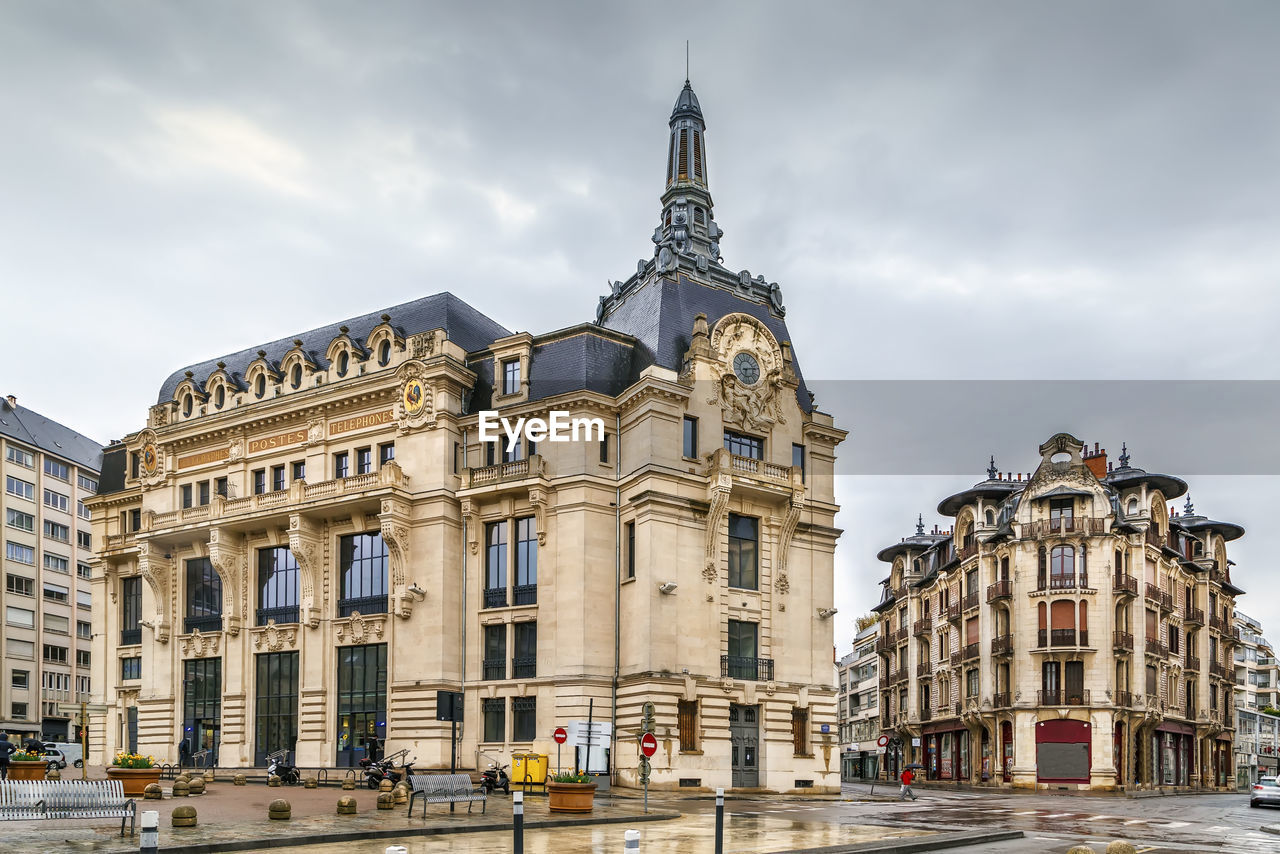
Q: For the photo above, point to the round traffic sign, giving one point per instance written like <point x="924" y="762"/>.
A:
<point x="882" y="740"/>
<point x="561" y="735"/>
<point x="648" y="744"/>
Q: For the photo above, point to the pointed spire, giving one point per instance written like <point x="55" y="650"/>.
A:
<point x="919" y="524"/>
<point x="1124" y="455"/>
<point x="1187" y="508"/>
<point x="687" y="226"/>
<point x="992" y="471"/>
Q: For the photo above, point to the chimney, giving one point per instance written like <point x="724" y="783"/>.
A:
<point x="13" y="401"/>
<point x="1096" y="460"/>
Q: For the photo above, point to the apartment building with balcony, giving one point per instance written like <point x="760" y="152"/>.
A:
<point x="860" y="728"/>
<point x="1257" y="690"/>
<point x="1070" y="629"/>
<point x="50" y="471"/>
<point x="308" y="539"/>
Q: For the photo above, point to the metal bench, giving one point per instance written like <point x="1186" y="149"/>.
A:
<point x="41" y="799"/>
<point x="444" y="789"/>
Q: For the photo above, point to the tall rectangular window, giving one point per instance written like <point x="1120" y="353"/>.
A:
<point x="299" y="469"/>
<point x="364" y="460"/>
<point x="84" y="539"/>
<point x="742" y="661"/>
<point x="494" y="663"/>
<point x="341" y="465"/>
<point x="494" y="711"/>
<point x="525" y="591"/>
<point x="204" y="597"/>
<point x="800" y="731"/>
<point x="82" y="511"/>
<point x="744" y="551"/>
<point x="1062" y="514"/>
<point x="524" y="658"/>
<point x="524" y="718"/>
<point x="495" y="565"/>
<point x="275" y="704"/>
<point x="604" y="448"/>
<point x="362" y="701"/>
<point x="386" y="453"/>
<point x="202" y="705"/>
<point x="131" y="610"/>
<point x="204" y="492"/>
<point x="131" y="668"/>
<point x="687" y="718"/>
<point x="511" y="376"/>
<point x="259" y="481"/>
<point x="277" y="478"/>
<point x="277" y="586"/>
<point x="363" y="569"/>
<point x="187" y="500"/>
<point x="631" y="550"/>
<point x="741" y="445"/>
<point x="797" y="460"/>
<point x="690" y="437"/>
<point x="220" y="487"/>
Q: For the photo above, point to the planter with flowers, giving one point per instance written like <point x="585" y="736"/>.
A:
<point x="570" y="792"/>
<point x="24" y="765"/>
<point x="135" y="771"/>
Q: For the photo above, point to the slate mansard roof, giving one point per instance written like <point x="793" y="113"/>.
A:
<point x="463" y="324"/>
<point x="33" y="429"/>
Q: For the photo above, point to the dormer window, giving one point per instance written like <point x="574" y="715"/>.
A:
<point x="260" y="386"/>
<point x="384" y="353"/>
<point x="295" y="376"/>
<point x="511" y="376"/>
<point x="188" y="403"/>
<point x="219" y="396"/>
<point x="1061" y="514"/>
<point x="344" y="362"/>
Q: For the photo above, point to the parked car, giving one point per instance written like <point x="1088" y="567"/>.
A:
<point x="1265" y="791"/>
<point x="60" y="753"/>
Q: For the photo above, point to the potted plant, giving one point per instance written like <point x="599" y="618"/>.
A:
<point x="25" y="765"/>
<point x="570" y="792"/>
<point x="135" y="771"/>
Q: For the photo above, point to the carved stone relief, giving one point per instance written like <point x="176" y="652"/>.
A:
<point x="306" y="543"/>
<point x="200" y="645"/>
<point x="360" y="629"/>
<point x="229" y="557"/>
<point x="156" y="568"/>
<point x="273" y="638"/>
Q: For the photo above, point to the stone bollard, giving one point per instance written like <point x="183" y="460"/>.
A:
<point x="386" y="800"/>
<point x="346" y="806"/>
<point x="153" y="792"/>
<point x="310" y="783"/>
<point x="180" y="789"/>
<point x="1119" y="846"/>
<point x="184" y="816"/>
<point x="186" y="778"/>
<point x="1081" y="849"/>
<point x="238" y="780"/>
<point x="273" y="781"/>
<point x="348" y="784"/>
<point x="279" y="810"/>
<point x="385" y="785"/>
<point x="196" y="786"/>
<point x="208" y="775"/>
<point x="53" y="774"/>
<point x="401" y="794"/>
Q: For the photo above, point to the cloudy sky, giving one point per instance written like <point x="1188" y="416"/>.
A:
<point x="946" y="192"/>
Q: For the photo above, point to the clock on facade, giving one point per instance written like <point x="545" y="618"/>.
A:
<point x="746" y="368"/>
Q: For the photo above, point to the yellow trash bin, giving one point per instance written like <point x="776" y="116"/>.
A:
<point x="528" y="768"/>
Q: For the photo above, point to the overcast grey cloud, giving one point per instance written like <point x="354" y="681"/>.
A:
<point x="945" y="191"/>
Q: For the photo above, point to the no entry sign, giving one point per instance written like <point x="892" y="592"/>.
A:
<point x="648" y="744"/>
<point x="561" y="735"/>
<point x="882" y="740"/>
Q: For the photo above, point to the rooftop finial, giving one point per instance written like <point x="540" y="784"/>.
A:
<point x="686" y="62"/>
<point x="991" y="469"/>
<point x="920" y="524"/>
<point x="1187" y="509"/>
<point x="1124" y="455"/>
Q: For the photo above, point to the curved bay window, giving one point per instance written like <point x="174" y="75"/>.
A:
<point x="204" y="597"/>
<point x="362" y="702"/>
<point x="202" y="707"/>
<point x="363" y="572"/>
<point x="277" y="586"/>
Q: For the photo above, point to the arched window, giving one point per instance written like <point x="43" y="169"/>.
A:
<point x="295" y="376"/>
<point x="1062" y="566"/>
<point x="991" y="516"/>
<point x="1004" y="568"/>
<point x="343" y="360"/>
<point x="1131" y="508"/>
<point x="260" y="385"/>
<point x="219" y="396"/>
<point x="187" y="405"/>
<point x="384" y="353"/>
<point x="1042" y="580"/>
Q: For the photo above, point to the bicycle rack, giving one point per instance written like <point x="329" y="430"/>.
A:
<point x="168" y="771"/>
<point x="322" y="776"/>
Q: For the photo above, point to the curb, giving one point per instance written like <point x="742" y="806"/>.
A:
<point x="935" y="842"/>
<point x="1270" y="828"/>
<point x="396" y="833"/>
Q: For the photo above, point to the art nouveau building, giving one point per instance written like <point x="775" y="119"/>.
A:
<point x="1070" y="631"/>
<point x="308" y="539"/>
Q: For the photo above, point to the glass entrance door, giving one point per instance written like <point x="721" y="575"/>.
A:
<point x="275" y="705"/>
<point x="362" y="702"/>
<point x="202" y="708"/>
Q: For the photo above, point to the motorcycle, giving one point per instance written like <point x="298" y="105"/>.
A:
<point x="278" y="765"/>
<point x="495" y="777"/>
<point x="377" y="770"/>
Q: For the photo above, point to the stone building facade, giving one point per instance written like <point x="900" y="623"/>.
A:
<point x="309" y="539"/>
<point x="1070" y="630"/>
<point x="50" y="471"/>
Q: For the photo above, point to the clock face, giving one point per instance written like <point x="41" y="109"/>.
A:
<point x="746" y="368"/>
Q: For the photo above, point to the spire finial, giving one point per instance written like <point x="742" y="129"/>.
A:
<point x="991" y="469"/>
<point x="1124" y="455"/>
<point x="686" y="62"/>
<point x="1187" y="508"/>
<point x="920" y="524"/>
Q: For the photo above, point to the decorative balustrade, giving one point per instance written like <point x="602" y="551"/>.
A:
<point x="1000" y="590"/>
<point x="1002" y="645"/>
<point x="1063" y="697"/>
<point x="922" y="626"/>
<point x="1074" y="525"/>
<point x="1122" y="641"/>
<point x="1193" y="616"/>
<point x="1001" y="700"/>
<point x="1157" y="648"/>
<point x="1124" y="585"/>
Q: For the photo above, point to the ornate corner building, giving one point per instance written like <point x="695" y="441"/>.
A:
<point x="308" y="539"/>
<point x="1069" y="630"/>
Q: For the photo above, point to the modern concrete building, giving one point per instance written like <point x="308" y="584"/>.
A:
<point x="49" y="472"/>
<point x="861" y="755"/>
<point x="1256" y="690"/>
<point x="1069" y="630"/>
<point x="309" y="539"/>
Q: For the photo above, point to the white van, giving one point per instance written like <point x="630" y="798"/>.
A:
<point x="68" y="753"/>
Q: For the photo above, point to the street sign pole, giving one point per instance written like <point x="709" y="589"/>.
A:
<point x="84" y="741"/>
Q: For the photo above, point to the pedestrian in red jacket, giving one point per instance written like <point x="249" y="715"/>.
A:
<point x="907" y="778"/>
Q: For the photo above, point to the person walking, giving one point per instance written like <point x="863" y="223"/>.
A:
<point x="184" y="753"/>
<point x="907" y="779"/>
<point x="6" y="747"/>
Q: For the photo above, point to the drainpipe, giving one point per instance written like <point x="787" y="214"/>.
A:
<point x="617" y="586"/>
<point x="462" y="682"/>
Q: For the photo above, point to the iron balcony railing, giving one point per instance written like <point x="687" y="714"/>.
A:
<point x="901" y="634"/>
<point x="285" y="614"/>
<point x="1122" y="640"/>
<point x="924" y="668"/>
<point x="970" y="601"/>
<point x="1193" y="663"/>
<point x="966" y="551"/>
<point x="363" y="604"/>
<point x="1124" y="584"/>
<point x="922" y="626"/>
<point x="970" y="651"/>
<point x="1063" y="697"/>
<point x="1194" y="616"/>
<point x="899" y="675"/>
<point x="1068" y="581"/>
<point x="524" y="594"/>
<point x="524" y="668"/>
<point x="1000" y="590"/>
<point x="926" y="714"/>
<point x="1001" y="700"/>
<point x="494" y="668"/>
<point x="1002" y="645"/>
<point x="1156" y="648"/>
<point x="1123" y="699"/>
<point x="957" y="657"/>
<point x="204" y="624"/>
<point x="743" y="667"/>
<point x="953" y="611"/>
<point x="495" y="597"/>
<point x="129" y="637"/>
<point x="1218" y="670"/>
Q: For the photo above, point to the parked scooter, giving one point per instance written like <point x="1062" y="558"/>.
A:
<point x="278" y="765"/>
<point x="377" y="770"/>
<point x="495" y="777"/>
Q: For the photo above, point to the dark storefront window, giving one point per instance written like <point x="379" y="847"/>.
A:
<point x="202" y="707"/>
<point x="363" y="571"/>
<point x="362" y="701"/>
<point x="275" y="705"/>
<point x="277" y="586"/>
<point x="204" y="597"/>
